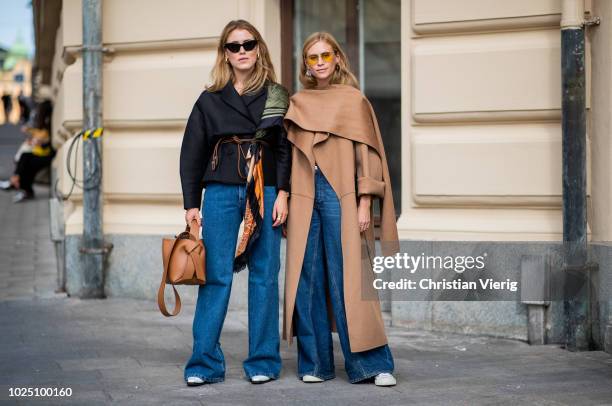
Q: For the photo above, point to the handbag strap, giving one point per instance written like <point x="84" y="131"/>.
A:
<point x="193" y="229"/>
<point x="162" y="287"/>
<point x="196" y="249"/>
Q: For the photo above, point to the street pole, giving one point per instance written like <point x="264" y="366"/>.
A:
<point x="93" y="239"/>
<point x="577" y="272"/>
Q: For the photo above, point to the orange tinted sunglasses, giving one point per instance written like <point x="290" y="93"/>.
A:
<point x="313" y="59"/>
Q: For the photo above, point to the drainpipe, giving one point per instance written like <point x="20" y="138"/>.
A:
<point x="92" y="248"/>
<point x="578" y="273"/>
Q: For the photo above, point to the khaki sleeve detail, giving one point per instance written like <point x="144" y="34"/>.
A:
<point x="369" y="171"/>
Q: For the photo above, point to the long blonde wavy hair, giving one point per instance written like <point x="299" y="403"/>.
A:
<point x="342" y="75"/>
<point x="222" y="72"/>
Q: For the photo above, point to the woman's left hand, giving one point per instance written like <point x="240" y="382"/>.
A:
<point x="363" y="212"/>
<point x="281" y="208"/>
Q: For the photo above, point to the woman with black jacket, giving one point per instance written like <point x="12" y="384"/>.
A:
<point x="235" y="146"/>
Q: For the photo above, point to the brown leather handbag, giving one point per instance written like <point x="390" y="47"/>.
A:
<point x="184" y="260"/>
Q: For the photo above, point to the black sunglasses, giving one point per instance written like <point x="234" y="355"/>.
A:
<point x="234" y="47"/>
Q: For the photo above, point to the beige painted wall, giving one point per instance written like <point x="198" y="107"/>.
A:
<point x="482" y="140"/>
<point x="163" y="53"/>
<point x="601" y="123"/>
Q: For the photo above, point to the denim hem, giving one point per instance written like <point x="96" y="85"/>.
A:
<point x="268" y="374"/>
<point x="368" y="376"/>
<point x="324" y="377"/>
<point x="206" y="379"/>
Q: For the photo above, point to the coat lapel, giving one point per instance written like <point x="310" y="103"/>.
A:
<point x="250" y="98"/>
<point x="255" y="103"/>
<point x="231" y="97"/>
<point x="249" y="105"/>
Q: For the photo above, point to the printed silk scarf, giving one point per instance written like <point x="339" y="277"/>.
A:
<point x="277" y="102"/>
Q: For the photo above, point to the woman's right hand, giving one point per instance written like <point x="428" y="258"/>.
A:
<point x="191" y="214"/>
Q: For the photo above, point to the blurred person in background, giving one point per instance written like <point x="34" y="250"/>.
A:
<point x="7" y="103"/>
<point x="24" y="107"/>
<point x="34" y="154"/>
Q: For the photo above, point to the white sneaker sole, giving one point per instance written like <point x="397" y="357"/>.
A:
<point x="260" y="379"/>
<point x="311" y="379"/>
<point x="385" y="382"/>
<point x="194" y="381"/>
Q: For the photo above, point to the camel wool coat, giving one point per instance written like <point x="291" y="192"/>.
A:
<point x="336" y="128"/>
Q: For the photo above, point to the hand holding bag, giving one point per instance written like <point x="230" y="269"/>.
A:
<point x="184" y="259"/>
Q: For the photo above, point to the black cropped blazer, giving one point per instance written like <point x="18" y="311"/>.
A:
<point x="220" y="114"/>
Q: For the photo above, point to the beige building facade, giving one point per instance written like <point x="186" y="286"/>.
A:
<point x="469" y="98"/>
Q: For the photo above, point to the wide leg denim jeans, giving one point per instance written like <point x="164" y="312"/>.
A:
<point x="322" y="269"/>
<point x="223" y="209"/>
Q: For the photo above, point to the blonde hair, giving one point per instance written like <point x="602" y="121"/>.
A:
<point x="342" y="75"/>
<point x="222" y="72"/>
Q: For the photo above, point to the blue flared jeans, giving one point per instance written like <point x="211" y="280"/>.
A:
<point x="322" y="270"/>
<point x="223" y="209"/>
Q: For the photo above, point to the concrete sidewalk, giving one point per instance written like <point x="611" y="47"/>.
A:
<point x="123" y="351"/>
<point x="120" y="351"/>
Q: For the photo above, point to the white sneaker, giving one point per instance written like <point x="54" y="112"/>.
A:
<point x="385" y="379"/>
<point x="6" y="185"/>
<point x="260" y="379"/>
<point x="311" y="379"/>
<point x="194" y="381"/>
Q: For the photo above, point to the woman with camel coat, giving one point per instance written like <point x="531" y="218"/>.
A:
<point x="338" y="166"/>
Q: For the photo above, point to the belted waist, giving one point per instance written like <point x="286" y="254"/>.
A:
<point x="238" y="142"/>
